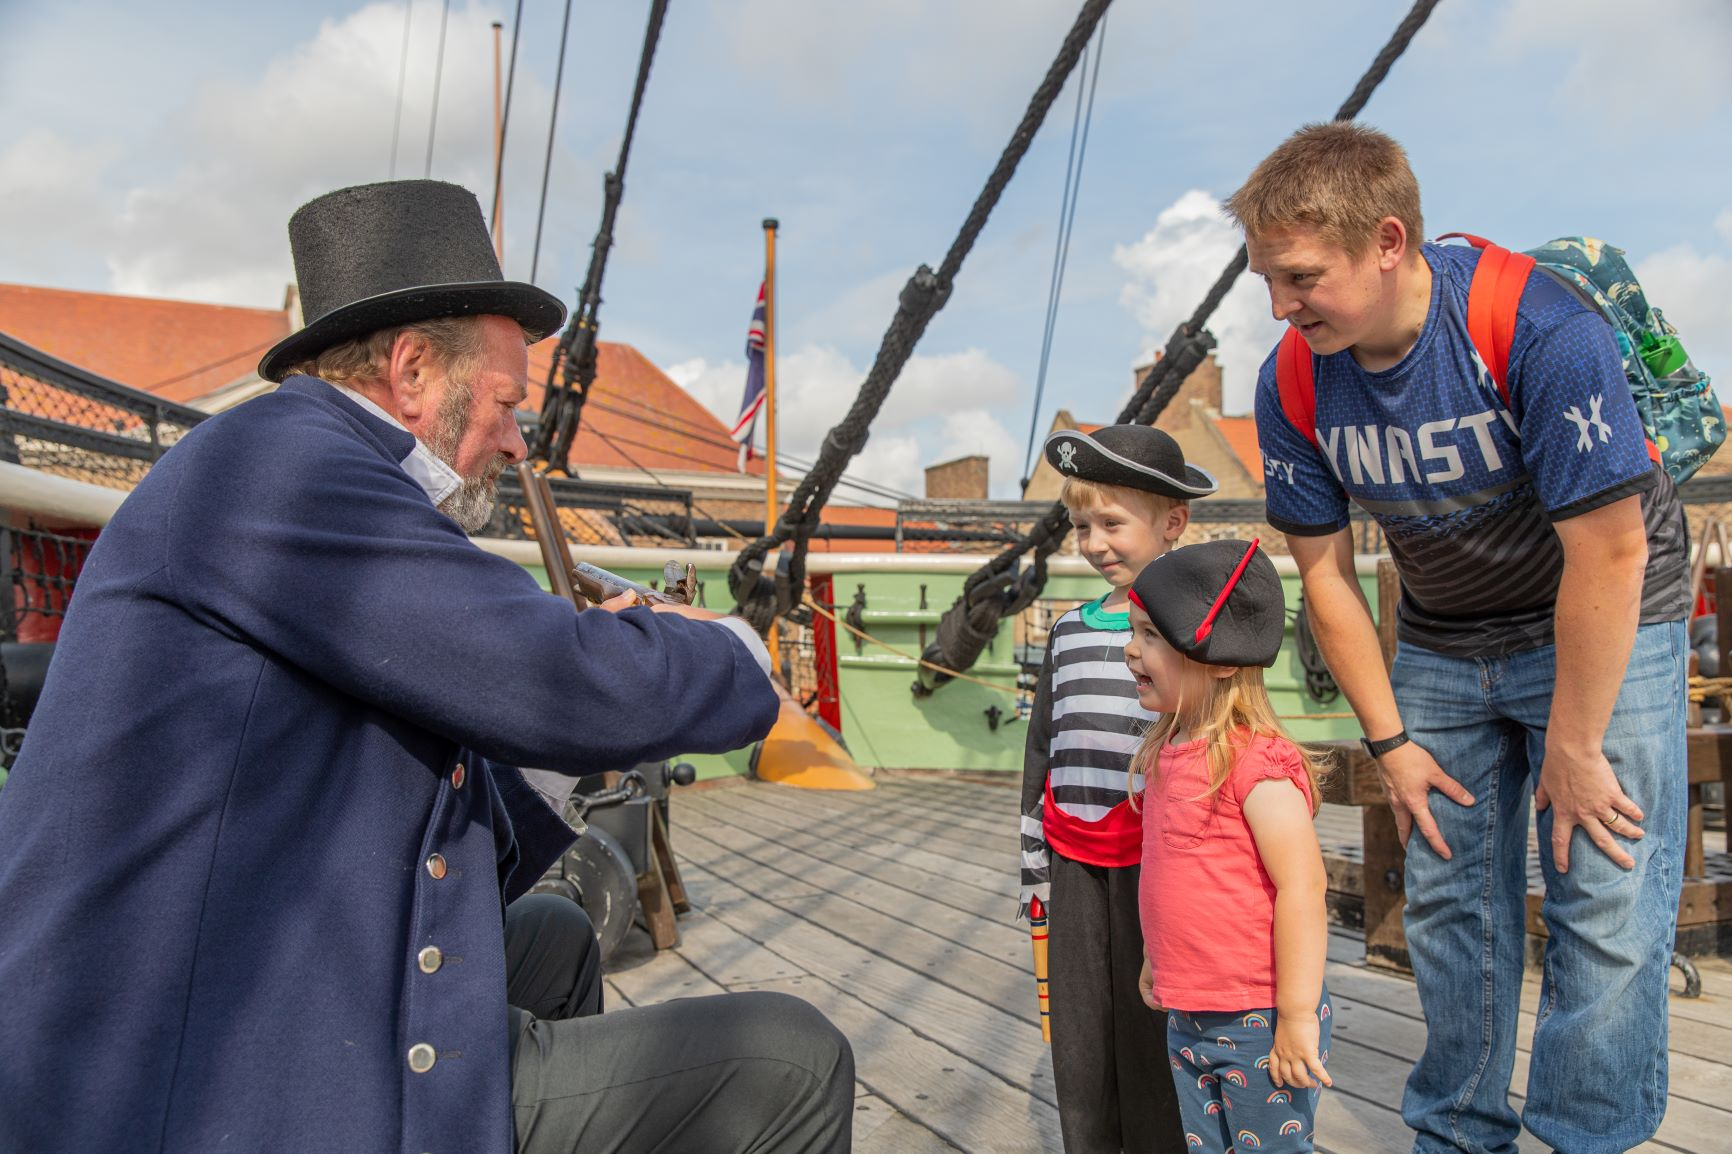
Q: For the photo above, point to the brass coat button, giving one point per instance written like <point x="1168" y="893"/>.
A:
<point x="430" y="959"/>
<point x="436" y="866"/>
<point x="458" y="775"/>
<point x="421" y="1057"/>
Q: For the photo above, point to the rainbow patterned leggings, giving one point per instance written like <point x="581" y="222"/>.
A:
<point x="1227" y="1100"/>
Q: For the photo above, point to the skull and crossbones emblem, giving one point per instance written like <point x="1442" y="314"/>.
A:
<point x="1067" y="457"/>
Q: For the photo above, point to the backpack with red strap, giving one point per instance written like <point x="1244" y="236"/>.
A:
<point x="1676" y="403"/>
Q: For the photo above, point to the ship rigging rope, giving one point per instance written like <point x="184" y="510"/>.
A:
<point x="552" y="123"/>
<point x="1079" y="145"/>
<point x="402" y="75"/>
<point x="762" y="598"/>
<point x="573" y="370"/>
<point x="997" y="590"/>
<point x="438" y="78"/>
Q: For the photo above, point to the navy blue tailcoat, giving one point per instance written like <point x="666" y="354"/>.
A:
<point x="238" y="818"/>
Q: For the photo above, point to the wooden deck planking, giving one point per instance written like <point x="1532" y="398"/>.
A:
<point x="891" y="911"/>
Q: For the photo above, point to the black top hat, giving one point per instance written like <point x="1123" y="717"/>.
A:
<point x="1217" y="602"/>
<point x="378" y="255"/>
<point x="1134" y="456"/>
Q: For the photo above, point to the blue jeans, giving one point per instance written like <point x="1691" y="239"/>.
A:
<point x="1597" y="1078"/>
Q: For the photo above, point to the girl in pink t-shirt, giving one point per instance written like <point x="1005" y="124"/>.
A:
<point x="1232" y="885"/>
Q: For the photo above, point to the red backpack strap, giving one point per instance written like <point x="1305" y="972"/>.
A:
<point x="1493" y="298"/>
<point x="1297" y="384"/>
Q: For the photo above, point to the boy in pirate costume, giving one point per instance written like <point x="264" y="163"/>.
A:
<point x="1127" y="488"/>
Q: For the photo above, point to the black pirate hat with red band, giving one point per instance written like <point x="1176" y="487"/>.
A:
<point x="1217" y="602"/>
<point x="1134" y="456"/>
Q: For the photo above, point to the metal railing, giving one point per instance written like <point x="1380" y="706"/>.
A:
<point x="68" y="421"/>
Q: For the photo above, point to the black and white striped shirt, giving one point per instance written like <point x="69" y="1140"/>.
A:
<point x="1084" y="730"/>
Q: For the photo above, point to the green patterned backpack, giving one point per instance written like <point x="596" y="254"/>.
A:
<point x="1679" y="412"/>
<point x="1674" y="398"/>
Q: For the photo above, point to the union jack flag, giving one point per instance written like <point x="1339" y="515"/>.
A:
<point x="753" y="401"/>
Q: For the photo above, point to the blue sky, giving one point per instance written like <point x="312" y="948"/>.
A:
<point x="158" y="149"/>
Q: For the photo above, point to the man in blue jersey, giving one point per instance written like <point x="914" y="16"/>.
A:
<point x="1543" y="558"/>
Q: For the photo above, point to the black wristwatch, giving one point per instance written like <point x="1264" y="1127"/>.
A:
<point x="1376" y="749"/>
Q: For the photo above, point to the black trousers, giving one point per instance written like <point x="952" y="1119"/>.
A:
<point x="1109" y="1050"/>
<point x="758" y="1072"/>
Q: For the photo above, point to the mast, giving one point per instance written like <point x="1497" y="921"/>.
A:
<point x="771" y="505"/>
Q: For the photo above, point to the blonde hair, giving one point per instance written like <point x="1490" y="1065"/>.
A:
<point x="1079" y="493"/>
<point x="1231" y="713"/>
<point x="456" y="344"/>
<point x="1341" y="178"/>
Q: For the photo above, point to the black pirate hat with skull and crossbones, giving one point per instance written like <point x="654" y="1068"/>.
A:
<point x="1132" y="456"/>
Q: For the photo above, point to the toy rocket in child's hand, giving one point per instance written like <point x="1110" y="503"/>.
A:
<point x="1037" y="935"/>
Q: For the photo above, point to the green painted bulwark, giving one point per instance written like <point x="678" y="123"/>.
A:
<point x="886" y="726"/>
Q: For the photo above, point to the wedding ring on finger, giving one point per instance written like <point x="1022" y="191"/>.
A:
<point x="1612" y="821"/>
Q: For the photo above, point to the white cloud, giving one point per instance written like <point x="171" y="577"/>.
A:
<point x="49" y="202"/>
<point x="978" y="432"/>
<point x="932" y="386"/>
<point x="1668" y="63"/>
<point x="1173" y="266"/>
<point x="911" y="51"/>
<point x="1691" y="288"/>
<point x="893" y="461"/>
<point x="317" y="116"/>
<point x="942" y="407"/>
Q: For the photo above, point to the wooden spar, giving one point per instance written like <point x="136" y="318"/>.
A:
<point x="555" y="550"/>
<point x="771" y="504"/>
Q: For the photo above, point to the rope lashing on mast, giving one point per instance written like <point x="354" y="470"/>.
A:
<point x="762" y="598"/>
<point x="573" y="370"/>
<point x="999" y="589"/>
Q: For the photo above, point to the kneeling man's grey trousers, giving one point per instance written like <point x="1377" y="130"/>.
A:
<point x="750" y="1072"/>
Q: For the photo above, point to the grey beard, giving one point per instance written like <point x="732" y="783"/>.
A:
<point x="471" y="506"/>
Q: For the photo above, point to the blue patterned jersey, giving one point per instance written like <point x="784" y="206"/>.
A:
<point x="1466" y="490"/>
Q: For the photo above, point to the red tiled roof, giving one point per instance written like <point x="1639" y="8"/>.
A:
<point x="1241" y="434"/>
<point x="637" y="416"/>
<point x="183" y="350"/>
<point x="176" y="349"/>
<point x="854" y="515"/>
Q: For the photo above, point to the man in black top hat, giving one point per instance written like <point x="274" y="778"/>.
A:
<point x="256" y="852"/>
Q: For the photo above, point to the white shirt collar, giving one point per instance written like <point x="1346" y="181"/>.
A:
<point x="435" y="476"/>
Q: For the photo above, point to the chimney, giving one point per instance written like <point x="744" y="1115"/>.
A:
<point x="963" y="479"/>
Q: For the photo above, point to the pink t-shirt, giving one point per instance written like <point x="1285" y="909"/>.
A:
<point x="1208" y="906"/>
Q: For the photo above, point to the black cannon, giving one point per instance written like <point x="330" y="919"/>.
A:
<point x="621" y="867"/>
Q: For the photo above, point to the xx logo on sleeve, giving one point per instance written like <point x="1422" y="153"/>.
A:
<point x="1593" y="422"/>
